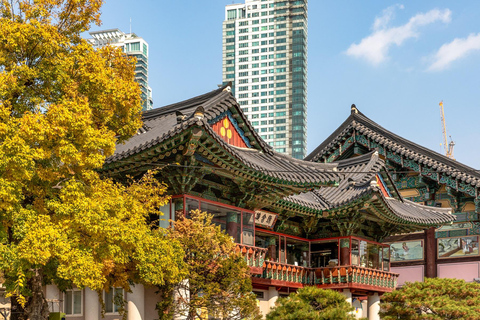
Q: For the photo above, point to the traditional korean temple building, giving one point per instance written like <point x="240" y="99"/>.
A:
<point x="320" y="222"/>
<point x="425" y="177"/>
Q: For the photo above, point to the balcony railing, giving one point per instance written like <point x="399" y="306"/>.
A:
<point x="289" y="273"/>
<point x="254" y="256"/>
<point x="355" y="277"/>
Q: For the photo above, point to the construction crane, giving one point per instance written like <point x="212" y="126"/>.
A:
<point x="448" y="147"/>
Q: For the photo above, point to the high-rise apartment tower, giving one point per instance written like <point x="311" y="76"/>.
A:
<point x="134" y="46"/>
<point x="265" y="58"/>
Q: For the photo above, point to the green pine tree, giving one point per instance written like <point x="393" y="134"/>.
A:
<point x="312" y="303"/>
<point x="445" y="299"/>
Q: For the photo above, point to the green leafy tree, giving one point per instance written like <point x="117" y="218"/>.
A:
<point x="218" y="282"/>
<point x="435" y="298"/>
<point x="312" y="303"/>
<point x="63" y="107"/>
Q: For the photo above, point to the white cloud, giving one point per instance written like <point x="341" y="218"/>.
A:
<point x="454" y="50"/>
<point x="374" y="48"/>
<point x="387" y="15"/>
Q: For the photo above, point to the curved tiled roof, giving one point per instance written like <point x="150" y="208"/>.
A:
<point x="285" y="167"/>
<point x="413" y="212"/>
<point x="424" y="156"/>
<point x="356" y="176"/>
<point x="162" y="124"/>
<point x="359" y="179"/>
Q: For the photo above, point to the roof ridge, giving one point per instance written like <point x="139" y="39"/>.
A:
<point x="182" y="105"/>
<point x="319" y="196"/>
<point x="344" y="126"/>
<point x="356" y="160"/>
<point x="430" y="153"/>
<point x="358" y="121"/>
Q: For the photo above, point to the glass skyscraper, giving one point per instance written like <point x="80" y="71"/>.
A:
<point x="134" y="46"/>
<point x="265" y="58"/>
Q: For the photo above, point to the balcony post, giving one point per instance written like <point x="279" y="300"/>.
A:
<point x="136" y="302"/>
<point x="272" y="296"/>
<point x="92" y="305"/>
<point x="348" y="295"/>
<point x="373" y="306"/>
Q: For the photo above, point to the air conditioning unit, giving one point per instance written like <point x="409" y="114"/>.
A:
<point x="56" y="316"/>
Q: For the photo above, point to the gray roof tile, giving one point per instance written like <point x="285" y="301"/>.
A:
<point x="161" y="124"/>
<point x="409" y="149"/>
<point x="357" y="176"/>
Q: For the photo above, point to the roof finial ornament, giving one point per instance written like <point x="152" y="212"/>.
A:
<point x="180" y="116"/>
<point x="199" y="113"/>
<point x="228" y="87"/>
<point x="353" y="109"/>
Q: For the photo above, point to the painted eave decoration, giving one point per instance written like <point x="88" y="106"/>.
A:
<point x="358" y="131"/>
<point x="228" y="130"/>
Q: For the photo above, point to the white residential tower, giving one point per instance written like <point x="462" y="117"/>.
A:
<point x="265" y="58"/>
<point x="134" y="46"/>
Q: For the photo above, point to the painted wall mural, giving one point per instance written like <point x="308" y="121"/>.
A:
<point x="406" y="251"/>
<point x="457" y="247"/>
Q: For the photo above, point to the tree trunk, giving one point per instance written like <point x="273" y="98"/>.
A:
<point x="37" y="306"/>
<point x="192" y="311"/>
<point x="192" y="314"/>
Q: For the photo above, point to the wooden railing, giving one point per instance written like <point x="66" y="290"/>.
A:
<point x="355" y="276"/>
<point x="327" y="277"/>
<point x="254" y="256"/>
<point x="285" y="272"/>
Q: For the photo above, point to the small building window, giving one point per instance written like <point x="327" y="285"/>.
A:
<point x="113" y="299"/>
<point x="72" y="303"/>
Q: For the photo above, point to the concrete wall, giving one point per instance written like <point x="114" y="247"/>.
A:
<point x="263" y="303"/>
<point x="151" y="299"/>
<point x="409" y="274"/>
<point x="142" y="301"/>
<point x="461" y="270"/>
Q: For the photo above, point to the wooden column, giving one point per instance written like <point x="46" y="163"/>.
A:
<point x="344" y="252"/>
<point x="232" y="225"/>
<point x="272" y="249"/>
<point x="430" y="253"/>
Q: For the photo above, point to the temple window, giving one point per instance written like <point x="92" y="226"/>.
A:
<point x="269" y="241"/>
<point x="191" y="205"/>
<point x="248" y="223"/>
<point x="236" y="222"/>
<point x="240" y="223"/>
<point x="355" y="253"/>
<point x="228" y="219"/>
<point x="297" y="252"/>
<point x="324" y="253"/>
<point x="386" y="258"/>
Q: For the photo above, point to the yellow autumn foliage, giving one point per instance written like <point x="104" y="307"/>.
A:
<point x="63" y="107"/>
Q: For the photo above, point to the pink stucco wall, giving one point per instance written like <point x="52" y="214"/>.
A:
<point x="462" y="270"/>
<point x="410" y="274"/>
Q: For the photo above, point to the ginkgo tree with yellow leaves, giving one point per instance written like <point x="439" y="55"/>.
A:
<point x="63" y="107"/>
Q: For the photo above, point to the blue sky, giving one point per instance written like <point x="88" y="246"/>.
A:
<point x="395" y="60"/>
